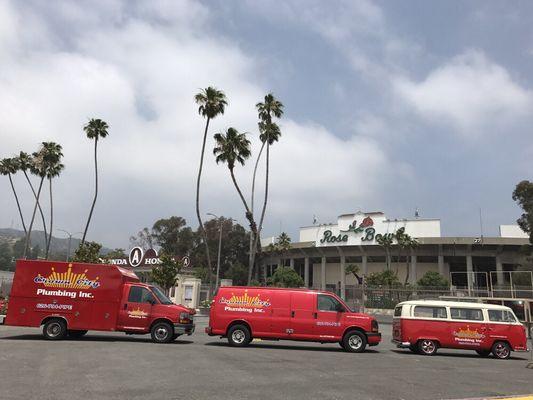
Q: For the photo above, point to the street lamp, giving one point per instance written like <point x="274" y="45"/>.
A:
<point x="219" y="245"/>
<point x="69" y="240"/>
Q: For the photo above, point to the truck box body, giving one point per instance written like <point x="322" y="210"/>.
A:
<point x="90" y="297"/>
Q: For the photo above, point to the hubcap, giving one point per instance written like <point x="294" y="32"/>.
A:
<point x="161" y="333"/>
<point x="355" y="342"/>
<point x="428" y="346"/>
<point x="54" y="329"/>
<point x="238" y="336"/>
<point x="501" y="350"/>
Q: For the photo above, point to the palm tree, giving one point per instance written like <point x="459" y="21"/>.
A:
<point x="230" y="148"/>
<point x="53" y="170"/>
<point x="25" y="162"/>
<point x="212" y="102"/>
<point x="269" y="133"/>
<point x="48" y="154"/>
<point x="96" y="128"/>
<point x="9" y="166"/>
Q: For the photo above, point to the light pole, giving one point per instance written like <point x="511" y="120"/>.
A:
<point x="219" y="245"/>
<point x="69" y="240"/>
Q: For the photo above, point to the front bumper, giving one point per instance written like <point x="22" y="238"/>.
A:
<point x="182" y="329"/>
<point x="374" y="338"/>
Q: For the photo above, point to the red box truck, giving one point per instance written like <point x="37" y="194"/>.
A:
<point x="243" y="313"/>
<point x="69" y="299"/>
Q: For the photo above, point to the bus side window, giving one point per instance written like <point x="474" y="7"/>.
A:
<point x="398" y="311"/>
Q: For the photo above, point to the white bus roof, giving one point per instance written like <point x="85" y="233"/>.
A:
<point x="443" y="303"/>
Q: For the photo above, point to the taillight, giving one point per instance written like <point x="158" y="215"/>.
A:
<point x="374" y="325"/>
<point x="185" y="318"/>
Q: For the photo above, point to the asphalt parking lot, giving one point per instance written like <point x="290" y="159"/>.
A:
<point x="116" y="366"/>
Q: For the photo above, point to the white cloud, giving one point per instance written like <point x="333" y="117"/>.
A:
<point x="138" y="68"/>
<point x="470" y="92"/>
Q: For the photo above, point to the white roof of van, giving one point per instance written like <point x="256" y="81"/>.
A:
<point x="463" y="304"/>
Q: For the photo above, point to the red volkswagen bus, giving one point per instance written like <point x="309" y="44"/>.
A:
<point x="425" y="325"/>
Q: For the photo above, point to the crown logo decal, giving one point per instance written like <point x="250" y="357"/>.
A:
<point x="467" y="333"/>
<point x="245" y="301"/>
<point x="138" y="313"/>
<point x="67" y="280"/>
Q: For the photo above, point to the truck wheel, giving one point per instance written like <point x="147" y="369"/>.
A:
<point x="501" y="350"/>
<point x="162" y="332"/>
<point x="427" y="347"/>
<point x="354" y="342"/>
<point x="75" y="334"/>
<point x="483" y="353"/>
<point x="175" y="336"/>
<point x="239" y="336"/>
<point x="55" y="329"/>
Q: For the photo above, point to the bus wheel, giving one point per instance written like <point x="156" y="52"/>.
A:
<point x="76" y="334"/>
<point x="162" y="332"/>
<point x="413" y="348"/>
<point x="483" y="353"/>
<point x="239" y="336"/>
<point x="354" y="342"/>
<point x="427" y="347"/>
<point x="501" y="350"/>
<point x="55" y="329"/>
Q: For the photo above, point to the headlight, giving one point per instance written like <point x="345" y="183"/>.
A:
<point x="185" y="318"/>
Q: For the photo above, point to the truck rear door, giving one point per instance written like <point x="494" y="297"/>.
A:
<point x="135" y="308"/>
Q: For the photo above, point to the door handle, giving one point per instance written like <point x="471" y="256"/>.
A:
<point x="315" y="315"/>
<point x="292" y="314"/>
<point x="125" y="306"/>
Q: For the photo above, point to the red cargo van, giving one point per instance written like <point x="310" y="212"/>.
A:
<point x="72" y="298"/>
<point x="425" y="325"/>
<point x="244" y="313"/>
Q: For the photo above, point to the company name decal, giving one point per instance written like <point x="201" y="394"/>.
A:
<point x="43" y="306"/>
<point x="468" y="336"/>
<point x="245" y="303"/>
<point x="67" y="280"/>
<point x="138" y="313"/>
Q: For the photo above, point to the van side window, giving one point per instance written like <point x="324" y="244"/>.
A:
<point x="501" y="316"/>
<point x="470" y="314"/>
<point x="328" y="303"/>
<point x="398" y="311"/>
<point x="430" y="312"/>
<point x="140" y="295"/>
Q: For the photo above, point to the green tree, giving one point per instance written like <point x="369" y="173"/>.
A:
<point x="88" y="252"/>
<point x="286" y="277"/>
<point x="144" y="239"/>
<point x="386" y="242"/>
<point x="433" y="279"/>
<point x="173" y="235"/>
<point x="6" y="257"/>
<point x="269" y="133"/>
<point x="211" y="103"/>
<point x="54" y="167"/>
<point x="115" y="253"/>
<point x="384" y="278"/>
<point x="523" y="195"/>
<point x="406" y="242"/>
<point x="9" y="166"/>
<point x="352" y="269"/>
<point x="166" y="273"/>
<point x="94" y="129"/>
<point x="238" y="273"/>
<point x="25" y="162"/>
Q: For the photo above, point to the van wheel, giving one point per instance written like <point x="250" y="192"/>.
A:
<point x="175" y="336"/>
<point x="354" y="342"/>
<point x="413" y="348"/>
<point x="162" y="332"/>
<point x="483" y="353"/>
<point x="55" y="329"/>
<point x="501" y="350"/>
<point x="239" y="336"/>
<point x="76" y="334"/>
<point x="427" y="347"/>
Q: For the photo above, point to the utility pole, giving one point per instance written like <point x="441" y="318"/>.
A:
<point x="69" y="241"/>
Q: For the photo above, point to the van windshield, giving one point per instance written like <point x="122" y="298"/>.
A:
<point x="162" y="297"/>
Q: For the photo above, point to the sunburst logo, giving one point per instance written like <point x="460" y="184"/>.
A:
<point x="137" y="313"/>
<point x="467" y="333"/>
<point x="245" y="301"/>
<point x="67" y="280"/>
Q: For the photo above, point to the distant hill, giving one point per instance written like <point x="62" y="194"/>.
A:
<point x="59" y="245"/>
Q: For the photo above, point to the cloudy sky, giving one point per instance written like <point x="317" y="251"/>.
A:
<point x="389" y="106"/>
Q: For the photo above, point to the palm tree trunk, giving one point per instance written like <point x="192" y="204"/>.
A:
<point x="95" y="191"/>
<point x="258" y="235"/>
<point x="28" y="236"/>
<point x="51" y="221"/>
<point x="38" y="205"/>
<point x="18" y="203"/>
<point x="200" y="223"/>
<point x="252" y="237"/>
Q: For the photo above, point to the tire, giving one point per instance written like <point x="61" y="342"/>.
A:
<point x="342" y="345"/>
<point x="501" y="350"/>
<point x="483" y="353"/>
<point x="76" y="334"/>
<point x="162" y="332"/>
<point x="427" y="347"/>
<point x="239" y="336"/>
<point x="175" y="336"/>
<point x="413" y="348"/>
<point x="55" y="329"/>
<point x="354" y="342"/>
